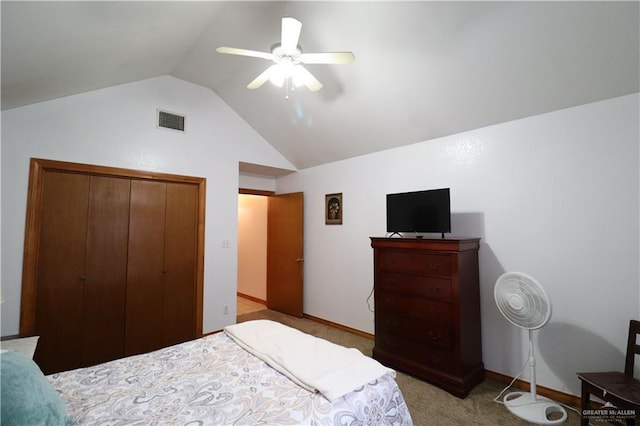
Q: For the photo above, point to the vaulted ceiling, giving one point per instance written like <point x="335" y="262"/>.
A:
<point x="422" y="70"/>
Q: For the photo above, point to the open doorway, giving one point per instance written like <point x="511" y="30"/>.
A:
<point x="274" y="273"/>
<point x="252" y="252"/>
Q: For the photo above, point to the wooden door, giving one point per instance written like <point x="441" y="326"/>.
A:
<point x="161" y="284"/>
<point x="106" y="269"/>
<point x="285" y="261"/>
<point x="145" y="272"/>
<point x="61" y="271"/>
<point x="81" y="270"/>
<point x="180" y="245"/>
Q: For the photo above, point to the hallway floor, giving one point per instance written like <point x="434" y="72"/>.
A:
<point x="246" y="306"/>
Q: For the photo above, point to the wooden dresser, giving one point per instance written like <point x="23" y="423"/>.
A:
<point x="427" y="310"/>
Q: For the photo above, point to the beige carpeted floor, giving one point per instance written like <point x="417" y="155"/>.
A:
<point x="429" y="405"/>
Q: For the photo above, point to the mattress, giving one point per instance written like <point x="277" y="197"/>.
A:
<point x="214" y="381"/>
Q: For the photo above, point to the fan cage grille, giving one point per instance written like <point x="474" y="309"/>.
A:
<point x="522" y="301"/>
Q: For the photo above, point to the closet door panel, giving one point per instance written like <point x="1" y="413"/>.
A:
<point x="145" y="268"/>
<point x="106" y="269"/>
<point x="60" y="273"/>
<point x="180" y="263"/>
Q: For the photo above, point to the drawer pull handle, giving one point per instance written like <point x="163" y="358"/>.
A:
<point x="390" y="301"/>
<point x="391" y="322"/>
<point x="389" y="281"/>
<point x="389" y="261"/>
<point x="434" y="289"/>
<point x="435" y="312"/>
<point x="433" y="266"/>
<point x="391" y="344"/>
<point x="434" y="336"/>
<point x="435" y="361"/>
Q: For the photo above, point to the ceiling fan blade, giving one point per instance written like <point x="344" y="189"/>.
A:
<point x="260" y="80"/>
<point x="303" y="76"/>
<point x="327" y="58"/>
<point x="244" y="52"/>
<point x="290" y="34"/>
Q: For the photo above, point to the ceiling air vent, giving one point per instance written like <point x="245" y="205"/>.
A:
<point x="171" y="121"/>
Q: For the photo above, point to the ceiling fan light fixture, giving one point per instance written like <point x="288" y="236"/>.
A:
<point x="304" y="77"/>
<point x="299" y="78"/>
<point x="288" y="56"/>
<point x="276" y="75"/>
<point x="279" y="73"/>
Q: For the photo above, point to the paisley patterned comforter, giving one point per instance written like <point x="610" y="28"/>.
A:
<point x="213" y="381"/>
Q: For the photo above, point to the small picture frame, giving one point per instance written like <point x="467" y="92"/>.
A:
<point x="333" y="209"/>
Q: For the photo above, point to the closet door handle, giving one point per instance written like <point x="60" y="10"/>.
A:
<point x="300" y="260"/>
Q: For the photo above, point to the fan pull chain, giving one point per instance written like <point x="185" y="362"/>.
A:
<point x="289" y="83"/>
<point x="286" y="96"/>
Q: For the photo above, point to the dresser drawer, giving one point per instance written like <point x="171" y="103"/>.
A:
<point x="419" y="285"/>
<point x="389" y="303"/>
<point x="422" y="331"/>
<point x="416" y="262"/>
<point x="418" y="352"/>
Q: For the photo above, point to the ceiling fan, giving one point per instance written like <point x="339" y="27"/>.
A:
<point x="288" y="58"/>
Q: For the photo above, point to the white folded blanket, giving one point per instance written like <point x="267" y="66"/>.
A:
<point x="311" y="362"/>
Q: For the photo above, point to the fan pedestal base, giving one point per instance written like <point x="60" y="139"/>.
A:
<point x="535" y="408"/>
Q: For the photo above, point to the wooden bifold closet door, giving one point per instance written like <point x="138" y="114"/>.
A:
<point x="105" y="275"/>
<point x="113" y="263"/>
<point x="161" y="262"/>
<point x="81" y="291"/>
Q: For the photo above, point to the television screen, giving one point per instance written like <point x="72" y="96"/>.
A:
<point x="419" y="211"/>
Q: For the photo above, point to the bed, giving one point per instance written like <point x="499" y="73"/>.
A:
<point x="254" y="373"/>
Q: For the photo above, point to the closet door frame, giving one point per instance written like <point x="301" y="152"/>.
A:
<point x="38" y="167"/>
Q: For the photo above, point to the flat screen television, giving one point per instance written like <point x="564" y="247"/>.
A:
<point x="419" y="211"/>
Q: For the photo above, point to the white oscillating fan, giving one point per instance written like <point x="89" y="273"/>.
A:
<point x="523" y="301"/>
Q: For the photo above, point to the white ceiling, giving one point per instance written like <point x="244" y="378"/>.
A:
<point x="423" y="69"/>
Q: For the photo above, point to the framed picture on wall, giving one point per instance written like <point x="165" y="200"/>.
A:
<point x="333" y="209"/>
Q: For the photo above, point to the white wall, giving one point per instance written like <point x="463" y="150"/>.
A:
<point x="257" y="182"/>
<point x="555" y="196"/>
<point x="116" y="127"/>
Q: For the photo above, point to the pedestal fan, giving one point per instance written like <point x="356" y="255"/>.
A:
<point x="524" y="303"/>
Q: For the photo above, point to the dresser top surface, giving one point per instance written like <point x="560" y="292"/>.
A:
<point x="453" y="243"/>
